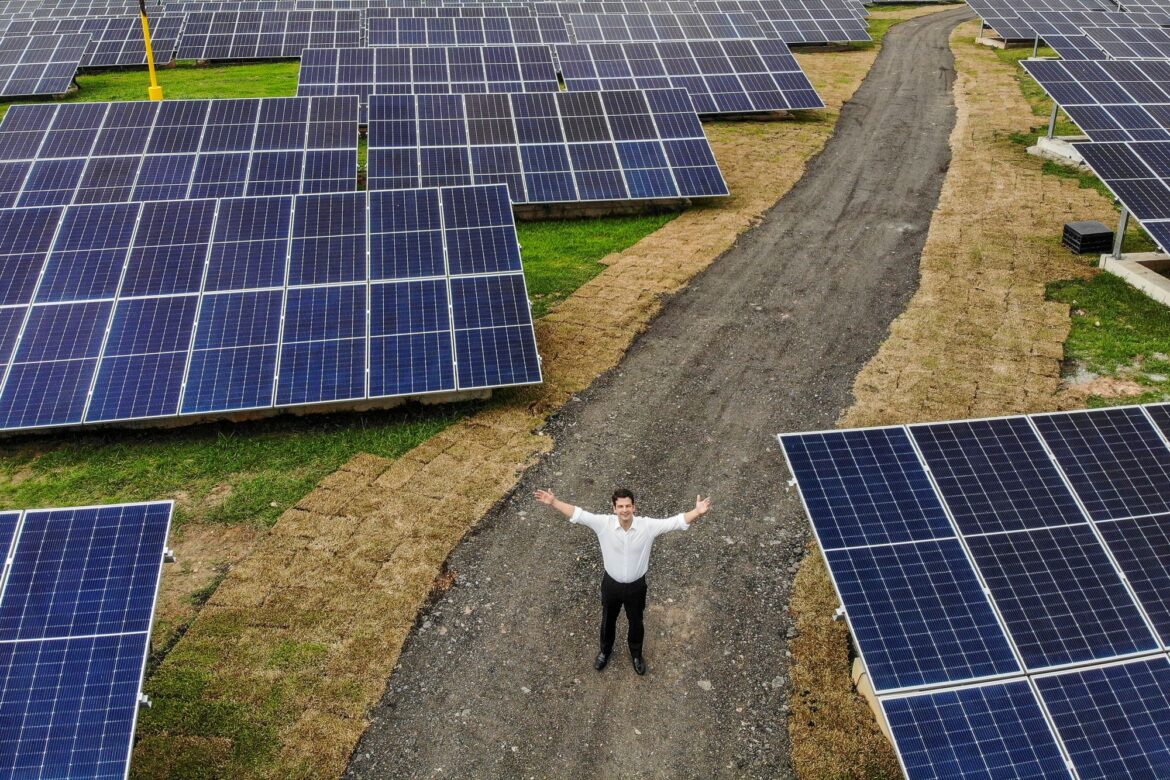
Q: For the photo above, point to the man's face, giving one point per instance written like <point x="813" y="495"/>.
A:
<point x="624" y="509"/>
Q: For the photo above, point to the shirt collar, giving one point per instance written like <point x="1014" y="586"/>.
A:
<point x="617" y="524"/>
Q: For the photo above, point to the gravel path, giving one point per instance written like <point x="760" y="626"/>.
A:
<point x="497" y="681"/>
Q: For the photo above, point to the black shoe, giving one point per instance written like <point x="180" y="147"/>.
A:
<point x="639" y="665"/>
<point x="600" y="661"/>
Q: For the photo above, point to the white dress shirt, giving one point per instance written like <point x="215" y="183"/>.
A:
<point x="626" y="554"/>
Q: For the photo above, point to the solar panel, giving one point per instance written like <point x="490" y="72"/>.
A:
<point x="75" y="619"/>
<point x="1115" y="460"/>
<point x="451" y="11"/>
<point x="919" y="615"/>
<point x="1055" y="516"/>
<point x="1060" y="596"/>
<point x="1114" y="720"/>
<point x="422" y="70"/>
<point x="985" y="731"/>
<point x="547" y="148"/>
<point x="39" y="64"/>
<point x="995" y="475"/>
<point x="237" y="35"/>
<point x="116" y="40"/>
<point x="800" y="21"/>
<point x="1131" y="42"/>
<point x="611" y="28"/>
<point x="133" y="311"/>
<point x="109" y="152"/>
<point x="1110" y="101"/>
<point x="466" y="31"/>
<point x="739" y="76"/>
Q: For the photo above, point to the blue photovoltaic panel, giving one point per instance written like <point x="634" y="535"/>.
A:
<point x="40" y="64"/>
<point x="547" y="148"/>
<point x="8" y="521"/>
<point x="466" y="31"/>
<point x="323" y="346"/>
<point x="76" y="701"/>
<point x="410" y="338"/>
<point x="75" y="618"/>
<point x="984" y="732"/>
<point x="86" y="571"/>
<point x="722" y="77"/>
<point x="236" y="34"/>
<point x="865" y="487"/>
<point x="995" y="475"/>
<point x="1060" y="596"/>
<point x="111" y="152"/>
<point x="1114" y="720"/>
<point x="1116" y="461"/>
<point x="1142" y="549"/>
<point x="190" y="307"/>
<point x="919" y="615"/>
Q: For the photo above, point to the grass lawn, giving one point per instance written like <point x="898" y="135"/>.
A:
<point x="251" y="472"/>
<point x="1118" y="332"/>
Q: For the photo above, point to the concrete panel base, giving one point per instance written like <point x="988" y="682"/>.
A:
<point x="1060" y="149"/>
<point x="1142" y="270"/>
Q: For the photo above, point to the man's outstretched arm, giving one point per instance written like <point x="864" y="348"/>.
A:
<point x="547" y="497"/>
<point x="702" y="507"/>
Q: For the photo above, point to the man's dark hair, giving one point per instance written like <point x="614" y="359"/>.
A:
<point x="622" y="493"/>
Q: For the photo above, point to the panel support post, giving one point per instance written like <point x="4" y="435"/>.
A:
<point x="1035" y="46"/>
<point x="154" y="91"/>
<point x="1052" y="119"/>
<point x="1119" y="236"/>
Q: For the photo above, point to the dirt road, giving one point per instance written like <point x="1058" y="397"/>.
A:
<point x="498" y="681"/>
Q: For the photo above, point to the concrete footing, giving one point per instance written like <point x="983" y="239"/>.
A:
<point x="865" y="688"/>
<point x="1060" y="149"/>
<point x="1002" y="43"/>
<point x="1144" y="271"/>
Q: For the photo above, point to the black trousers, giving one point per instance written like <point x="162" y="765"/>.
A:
<point x="614" y="596"/>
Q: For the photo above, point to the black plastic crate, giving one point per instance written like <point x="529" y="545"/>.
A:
<point x="1088" y="237"/>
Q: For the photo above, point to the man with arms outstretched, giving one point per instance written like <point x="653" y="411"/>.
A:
<point x="625" y="551"/>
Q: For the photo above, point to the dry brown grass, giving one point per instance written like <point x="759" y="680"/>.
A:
<point x="297" y="642"/>
<point x="977" y="339"/>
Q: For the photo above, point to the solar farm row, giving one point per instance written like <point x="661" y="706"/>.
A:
<point x="76" y="608"/>
<point x="550" y="147"/>
<point x="131" y="311"/>
<point x="738" y="76"/>
<point x="1006" y="584"/>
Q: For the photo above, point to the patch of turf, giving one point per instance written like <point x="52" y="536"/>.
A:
<point x="561" y="256"/>
<point x="225" y="473"/>
<point x="1119" y="332"/>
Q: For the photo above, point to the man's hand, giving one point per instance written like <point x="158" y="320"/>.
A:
<point x="702" y="507"/>
<point x="547" y="498"/>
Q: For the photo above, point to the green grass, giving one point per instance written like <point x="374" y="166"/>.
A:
<point x="561" y="256"/>
<point x="1117" y="331"/>
<point x="186" y="80"/>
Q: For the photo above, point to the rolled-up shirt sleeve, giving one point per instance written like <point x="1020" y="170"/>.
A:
<point x="676" y="523"/>
<point x="587" y="518"/>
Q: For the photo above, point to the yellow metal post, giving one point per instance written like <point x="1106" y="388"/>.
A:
<point x="154" y="91"/>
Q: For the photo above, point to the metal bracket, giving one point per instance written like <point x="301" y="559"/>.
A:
<point x="169" y="554"/>
<point x="839" y="613"/>
<point x="144" y="700"/>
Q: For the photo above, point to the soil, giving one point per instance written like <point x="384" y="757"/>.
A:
<point x="497" y="679"/>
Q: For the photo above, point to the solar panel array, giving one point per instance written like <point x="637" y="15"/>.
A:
<point x="40" y="64"/>
<point x="116" y="40"/>
<point x="420" y="70"/>
<point x="720" y="76"/>
<point x="800" y="21"/>
<point x="132" y="311"/>
<point x="1109" y="100"/>
<point x="79" y="589"/>
<point x="466" y="31"/>
<point x="236" y="35"/>
<point x="610" y="28"/>
<point x="547" y="148"/>
<point x="1005" y="16"/>
<point x="136" y="151"/>
<point x="1128" y="43"/>
<point x="1006" y="584"/>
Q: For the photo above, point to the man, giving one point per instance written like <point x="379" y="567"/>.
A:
<point x="625" y="551"/>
